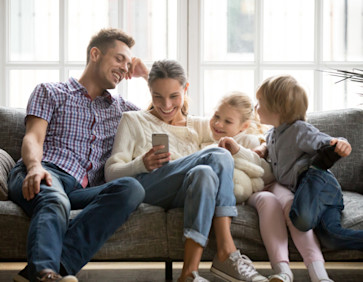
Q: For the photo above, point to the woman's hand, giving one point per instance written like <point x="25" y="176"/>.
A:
<point x="230" y="144"/>
<point x="261" y="150"/>
<point x="153" y="160"/>
<point x="342" y="147"/>
<point x="137" y="69"/>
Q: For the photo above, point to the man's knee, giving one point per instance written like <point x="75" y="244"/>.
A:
<point x="126" y="187"/>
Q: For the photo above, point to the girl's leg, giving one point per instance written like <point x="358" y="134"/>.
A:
<point x="306" y="242"/>
<point x="272" y="225"/>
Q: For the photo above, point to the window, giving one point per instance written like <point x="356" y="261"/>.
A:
<point x="242" y="42"/>
<point x="47" y="40"/>
<point x="224" y="45"/>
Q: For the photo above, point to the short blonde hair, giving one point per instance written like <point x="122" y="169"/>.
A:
<point x="285" y="96"/>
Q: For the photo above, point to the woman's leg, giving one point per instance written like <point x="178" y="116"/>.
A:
<point x="202" y="183"/>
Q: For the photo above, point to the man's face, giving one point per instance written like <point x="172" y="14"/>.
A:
<point x="114" y="64"/>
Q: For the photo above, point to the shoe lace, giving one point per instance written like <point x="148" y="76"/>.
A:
<point x="244" y="266"/>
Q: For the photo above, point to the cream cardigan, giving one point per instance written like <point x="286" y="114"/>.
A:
<point x="133" y="141"/>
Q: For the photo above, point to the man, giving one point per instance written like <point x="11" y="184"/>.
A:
<point x="70" y="129"/>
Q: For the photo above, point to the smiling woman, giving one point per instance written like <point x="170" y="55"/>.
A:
<point x="199" y="181"/>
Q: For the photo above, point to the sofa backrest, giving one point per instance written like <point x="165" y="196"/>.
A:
<point x="12" y="130"/>
<point x="347" y="123"/>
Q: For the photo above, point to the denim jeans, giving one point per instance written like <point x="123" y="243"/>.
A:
<point x="201" y="183"/>
<point x="53" y="238"/>
<point x="318" y="205"/>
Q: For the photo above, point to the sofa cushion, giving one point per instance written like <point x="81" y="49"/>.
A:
<point x="12" y="130"/>
<point x="143" y="236"/>
<point x="6" y="164"/>
<point x="345" y="123"/>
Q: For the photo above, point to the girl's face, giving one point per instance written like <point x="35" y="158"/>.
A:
<point x="168" y="99"/>
<point x="226" y="121"/>
<point x="266" y="116"/>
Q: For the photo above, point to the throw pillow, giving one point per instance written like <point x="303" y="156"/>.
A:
<point x="6" y="164"/>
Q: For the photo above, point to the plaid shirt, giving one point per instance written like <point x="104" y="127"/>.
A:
<point x="80" y="131"/>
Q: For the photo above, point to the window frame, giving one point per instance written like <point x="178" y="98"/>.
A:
<point x="189" y="53"/>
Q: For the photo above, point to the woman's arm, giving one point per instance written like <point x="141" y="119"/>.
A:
<point x="122" y="161"/>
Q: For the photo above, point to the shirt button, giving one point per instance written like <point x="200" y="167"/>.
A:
<point x="274" y="163"/>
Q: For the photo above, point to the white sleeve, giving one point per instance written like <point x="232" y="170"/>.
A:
<point x="121" y="162"/>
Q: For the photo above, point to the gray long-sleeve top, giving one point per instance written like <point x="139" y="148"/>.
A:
<point x="290" y="148"/>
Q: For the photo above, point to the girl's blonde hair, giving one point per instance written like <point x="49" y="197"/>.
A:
<point x="285" y="96"/>
<point x="243" y="104"/>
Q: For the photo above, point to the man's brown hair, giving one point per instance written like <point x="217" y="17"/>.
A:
<point x="106" y="38"/>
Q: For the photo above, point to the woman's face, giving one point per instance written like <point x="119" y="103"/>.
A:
<point x="226" y="121"/>
<point x="168" y="99"/>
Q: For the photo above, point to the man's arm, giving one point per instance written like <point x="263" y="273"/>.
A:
<point x="138" y="69"/>
<point x="32" y="154"/>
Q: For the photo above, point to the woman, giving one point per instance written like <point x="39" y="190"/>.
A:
<point x="199" y="181"/>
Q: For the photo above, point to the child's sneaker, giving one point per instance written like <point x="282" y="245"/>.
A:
<point x="325" y="157"/>
<point x="280" y="277"/>
<point x="237" y="268"/>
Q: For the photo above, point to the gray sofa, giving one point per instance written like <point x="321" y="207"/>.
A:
<point x="153" y="234"/>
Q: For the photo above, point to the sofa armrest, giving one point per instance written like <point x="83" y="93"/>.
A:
<point x="6" y="164"/>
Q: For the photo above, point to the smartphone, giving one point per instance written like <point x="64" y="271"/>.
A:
<point x="160" y="139"/>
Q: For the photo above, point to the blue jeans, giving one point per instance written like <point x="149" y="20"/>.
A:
<point x="201" y="183"/>
<point x="318" y="205"/>
<point x="53" y="238"/>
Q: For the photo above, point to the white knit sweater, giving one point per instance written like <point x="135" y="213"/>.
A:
<point x="133" y="141"/>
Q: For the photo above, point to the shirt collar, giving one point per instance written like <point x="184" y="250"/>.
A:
<point x="281" y="128"/>
<point x="75" y="86"/>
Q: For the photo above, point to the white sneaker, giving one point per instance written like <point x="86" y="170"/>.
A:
<point x="280" y="277"/>
<point x="196" y="278"/>
<point x="236" y="268"/>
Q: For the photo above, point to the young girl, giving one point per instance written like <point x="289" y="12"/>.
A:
<point x="237" y="130"/>
<point x="291" y="145"/>
<point x="234" y="127"/>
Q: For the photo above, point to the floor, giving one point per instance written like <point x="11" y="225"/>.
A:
<point x="152" y="272"/>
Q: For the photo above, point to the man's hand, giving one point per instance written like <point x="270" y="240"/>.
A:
<point x="31" y="183"/>
<point x="230" y="144"/>
<point x="153" y="161"/>
<point x="137" y="69"/>
<point x="342" y="147"/>
<point x="261" y="150"/>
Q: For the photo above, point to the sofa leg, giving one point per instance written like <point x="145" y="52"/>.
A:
<point x="169" y="270"/>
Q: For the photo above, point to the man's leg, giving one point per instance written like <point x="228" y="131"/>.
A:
<point x="49" y="212"/>
<point x="105" y="208"/>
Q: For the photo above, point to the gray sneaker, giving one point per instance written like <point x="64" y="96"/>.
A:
<point x="236" y="268"/>
<point x="196" y="278"/>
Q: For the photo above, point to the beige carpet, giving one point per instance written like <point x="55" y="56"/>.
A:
<point x="152" y="272"/>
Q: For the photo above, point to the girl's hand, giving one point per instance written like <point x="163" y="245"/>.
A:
<point x="342" y="147"/>
<point x="261" y="150"/>
<point x="230" y="144"/>
<point x="154" y="160"/>
<point x="137" y="69"/>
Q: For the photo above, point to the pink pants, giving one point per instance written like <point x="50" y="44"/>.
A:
<point x="273" y="207"/>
